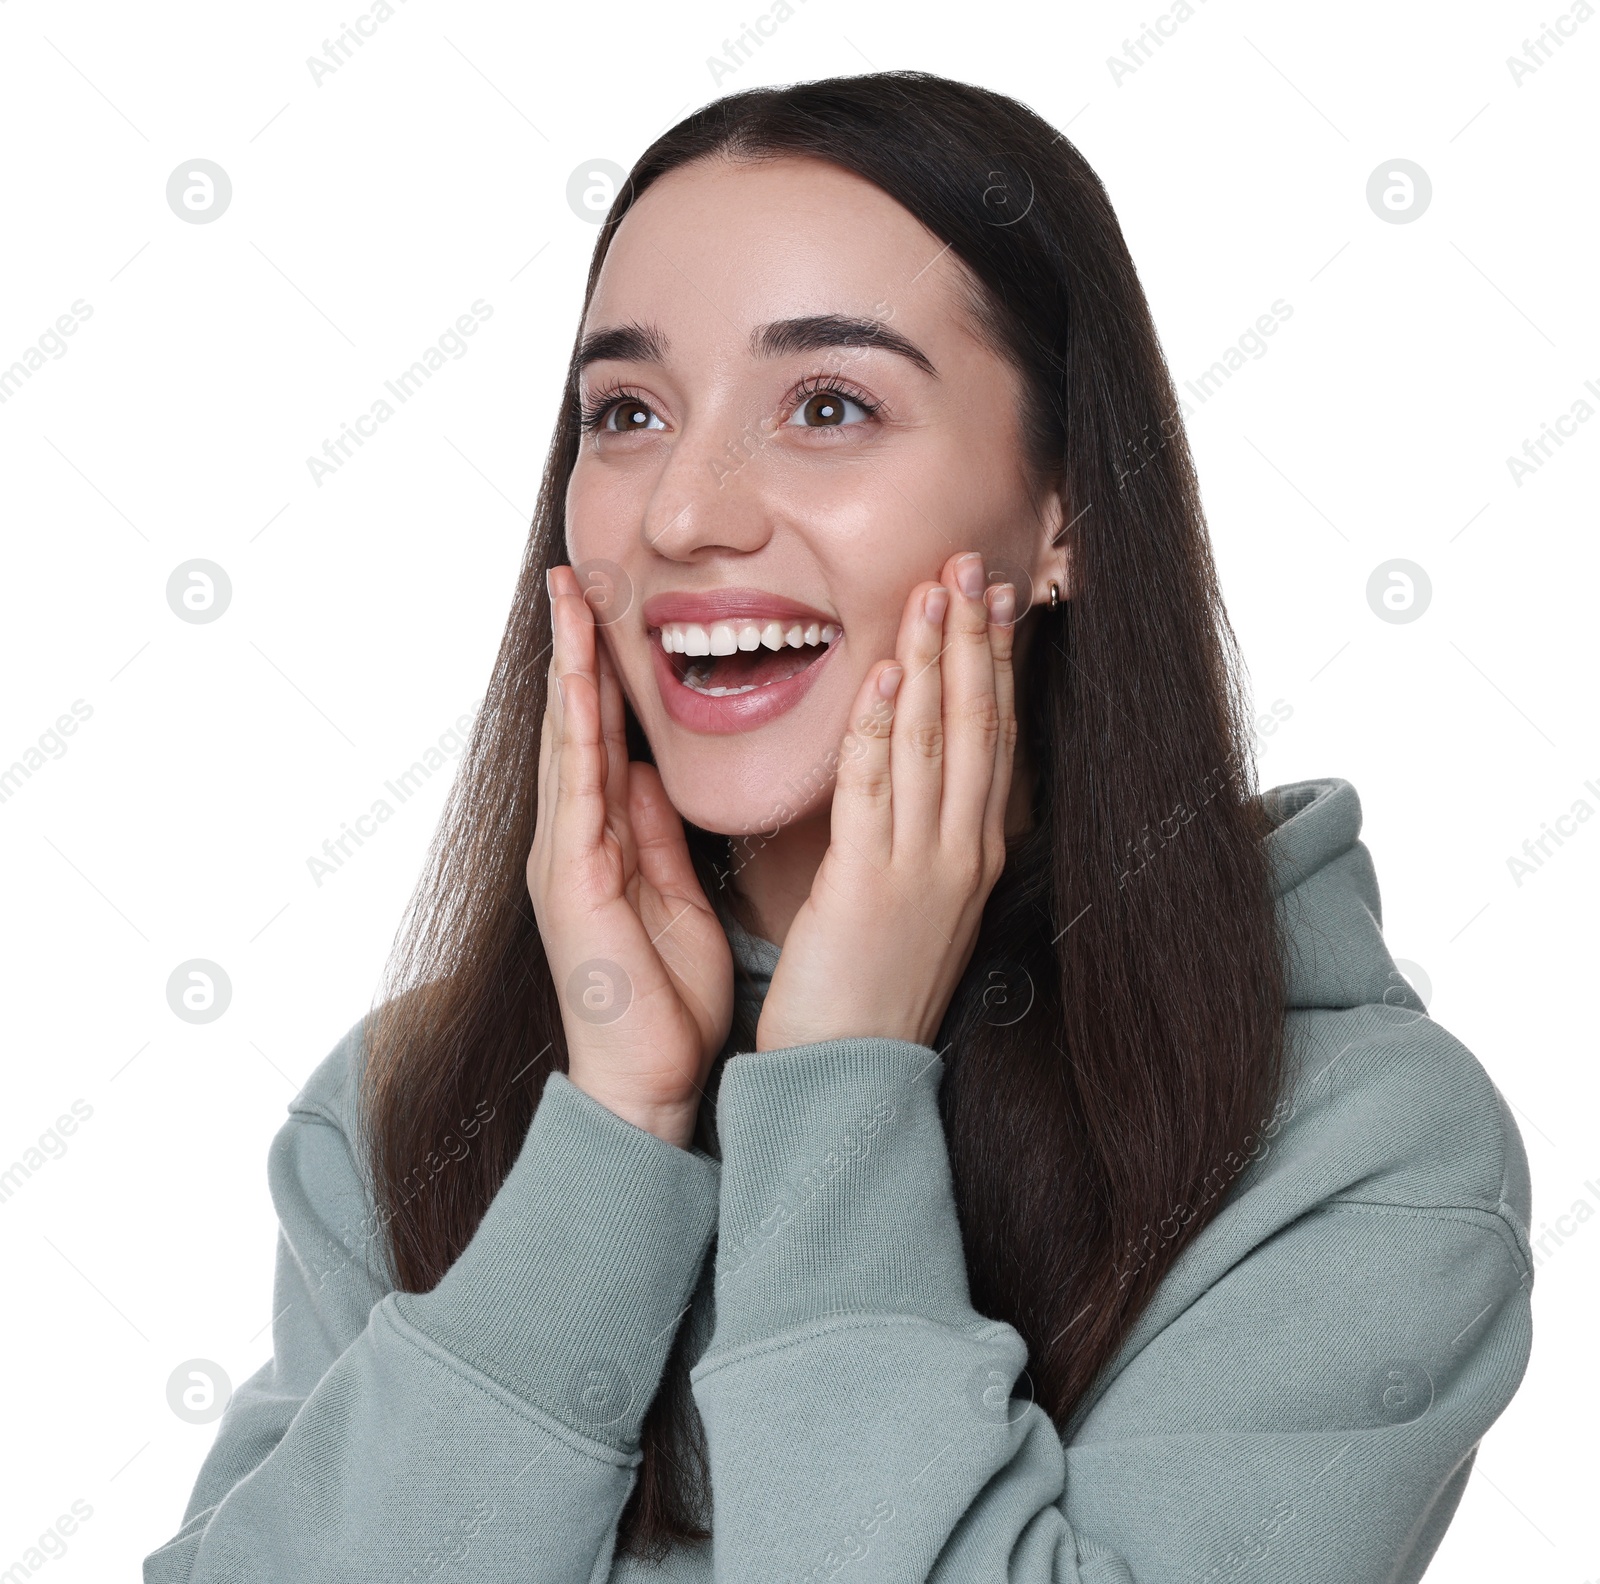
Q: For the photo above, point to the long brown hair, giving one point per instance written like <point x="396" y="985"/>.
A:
<point x="1119" y="1031"/>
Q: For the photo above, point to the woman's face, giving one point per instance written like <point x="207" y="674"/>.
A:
<point x="767" y="470"/>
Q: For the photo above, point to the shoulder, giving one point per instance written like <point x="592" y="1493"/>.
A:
<point x="1382" y="1208"/>
<point x="331" y="1092"/>
<point x="1383" y="1107"/>
<point x="324" y="1121"/>
<point x="332" y="1245"/>
<point x="1383" y="1116"/>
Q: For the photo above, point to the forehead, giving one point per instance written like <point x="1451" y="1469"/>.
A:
<point x="718" y="246"/>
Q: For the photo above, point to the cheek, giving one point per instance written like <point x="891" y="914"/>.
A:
<point x="602" y="514"/>
<point x="877" y="550"/>
<point x="895" y="518"/>
<point x="986" y="506"/>
<point x="978" y="487"/>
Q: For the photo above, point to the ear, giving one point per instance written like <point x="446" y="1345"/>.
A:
<point x="1052" y="560"/>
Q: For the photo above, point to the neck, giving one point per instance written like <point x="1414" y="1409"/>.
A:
<point x="777" y="876"/>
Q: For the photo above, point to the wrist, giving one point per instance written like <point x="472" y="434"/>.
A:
<point x="771" y="1038"/>
<point x="671" y="1122"/>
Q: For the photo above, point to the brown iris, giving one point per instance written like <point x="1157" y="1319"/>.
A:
<point x="825" y="408"/>
<point x="630" y="413"/>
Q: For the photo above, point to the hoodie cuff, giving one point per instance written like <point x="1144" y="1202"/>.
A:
<point x="572" y="1288"/>
<point x="836" y="1193"/>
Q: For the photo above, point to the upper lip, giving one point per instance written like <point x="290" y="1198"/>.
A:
<point x="727" y="604"/>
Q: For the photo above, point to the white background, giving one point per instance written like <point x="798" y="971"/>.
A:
<point x="431" y="170"/>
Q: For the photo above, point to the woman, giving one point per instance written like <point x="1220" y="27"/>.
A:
<point x="1082" y="1194"/>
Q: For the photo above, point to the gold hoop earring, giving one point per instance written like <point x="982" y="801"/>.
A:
<point x="1055" y="595"/>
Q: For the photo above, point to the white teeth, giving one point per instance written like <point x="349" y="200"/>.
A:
<point x="724" y="637"/>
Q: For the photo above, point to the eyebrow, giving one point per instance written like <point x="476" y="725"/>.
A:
<point x="816" y="331"/>
<point x="629" y="343"/>
<point x="636" y="343"/>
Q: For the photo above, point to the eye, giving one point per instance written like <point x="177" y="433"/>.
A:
<point x="828" y="407"/>
<point x="631" y="415"/>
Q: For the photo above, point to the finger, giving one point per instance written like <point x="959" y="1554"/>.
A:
<point x="1002" y="601"/>
<point x="916" y="748"/>
<point x="580" y="769"/>
<point x="614" y="736"/>
<point x="573" y="651"/>
<point x="664" y="861"/>
<point x="971" y="711"/>
<point x="667" y="868"/>
<point x="547" y="757"/>
<point x="550" y="724"/>
<point x="861" y="822"/>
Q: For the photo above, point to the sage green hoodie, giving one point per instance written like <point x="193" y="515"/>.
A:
<point x="1302" y="1399"/>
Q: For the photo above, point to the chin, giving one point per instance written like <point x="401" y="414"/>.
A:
<point x="747" y="784"/>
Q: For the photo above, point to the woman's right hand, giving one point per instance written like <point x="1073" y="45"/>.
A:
<point x="639" y="957"/>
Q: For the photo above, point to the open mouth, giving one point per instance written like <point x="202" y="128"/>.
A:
<point x="722" y="658"/>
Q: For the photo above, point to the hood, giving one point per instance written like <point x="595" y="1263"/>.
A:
<point x="1329" y="913"/>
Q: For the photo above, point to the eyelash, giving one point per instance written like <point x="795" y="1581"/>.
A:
<point x="596" y="411"/>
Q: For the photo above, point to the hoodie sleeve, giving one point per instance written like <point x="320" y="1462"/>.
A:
<point x="1313" y="1414"/>
<point x="492" y="1423"/>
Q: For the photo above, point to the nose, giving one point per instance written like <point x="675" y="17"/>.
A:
<point x="708" y="495"/>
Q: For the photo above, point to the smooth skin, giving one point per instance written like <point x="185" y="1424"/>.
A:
<point x="875" y="885"/>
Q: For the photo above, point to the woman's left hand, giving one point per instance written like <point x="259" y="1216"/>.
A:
<point x="917" y="828"/>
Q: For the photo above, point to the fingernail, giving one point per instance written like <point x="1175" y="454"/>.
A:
<point x="969" y="574"/>
<point x="549" y="584"/>
<point x="1002" y="604"/>
<point x="561" y="693"/>
<point x="889" y="680"/>
<point x="934" y="604"/>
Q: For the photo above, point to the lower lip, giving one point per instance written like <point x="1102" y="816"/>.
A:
<point x="731" y="712"/>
